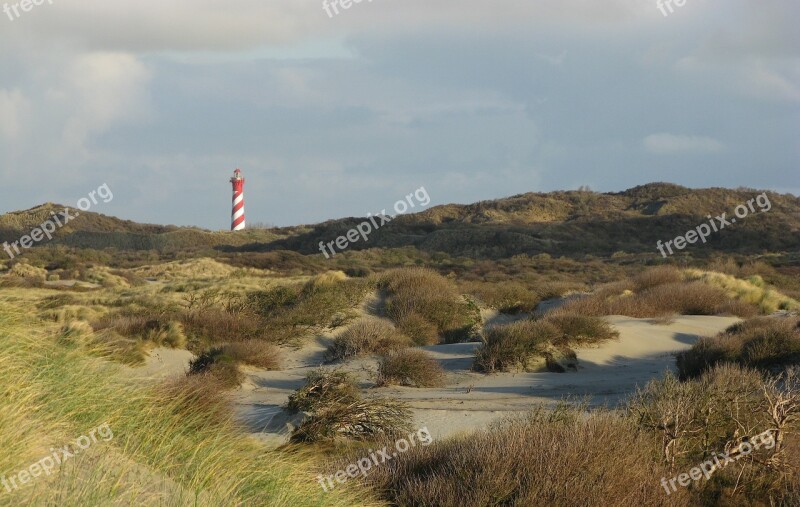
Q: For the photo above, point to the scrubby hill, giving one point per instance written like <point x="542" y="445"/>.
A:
<point x="575" y="223"/>
<point x="97" y="231"/>
<point x="571" y="223"/>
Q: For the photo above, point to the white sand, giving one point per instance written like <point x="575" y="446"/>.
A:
<point x="470" y="400"/>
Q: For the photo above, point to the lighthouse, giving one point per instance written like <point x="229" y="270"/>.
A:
<point x="237" y="215"/>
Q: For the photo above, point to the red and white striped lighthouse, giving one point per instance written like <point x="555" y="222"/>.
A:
<point x="237" y="215"/>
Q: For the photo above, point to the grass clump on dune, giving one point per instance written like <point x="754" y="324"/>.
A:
<point x="217" y="365"/>
<point x="337" y="410"/>
<point x="323" y="387"/>
<point x="413" y="368"/>
<point x="258" y="353"/>
<point x="766" y="343"/>
<point x="533" y="345"/>
<point x="367" y="336"/>
<point x="577" y="329"/>
<point x="432" y="297"/>
<point x="361" y="420"/>
<point x="517" y="346"/>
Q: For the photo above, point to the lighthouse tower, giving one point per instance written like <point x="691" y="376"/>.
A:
<point x="237" y="215"/>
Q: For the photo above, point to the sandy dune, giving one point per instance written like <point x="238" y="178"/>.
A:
<point x="471" y="400"/>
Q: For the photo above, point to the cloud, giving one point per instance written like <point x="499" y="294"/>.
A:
<point x="670" y="144"/>
<point x="14" y="106"/>
<point x="210" y="25"/>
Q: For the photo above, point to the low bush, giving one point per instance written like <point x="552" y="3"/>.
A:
<point x="526" y="461"/>
<point x="431" y="296"/>
<point x="413" y="368"/>
<point x="421" y="331"/>
<point x="518" y="346"/>
<point x="580" y="329"/>
<point x="659" y="275"/>
<point x="506" y="297"/>
<point x="367" y="336"/>
<point x="766" y="343"/>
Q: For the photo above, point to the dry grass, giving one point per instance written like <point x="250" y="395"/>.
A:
<point x="507" y="297"/>
<point x="258" y="353"/>
<point x="220" y="368"/>
<point x="412" y="368"/>
<point x="323" y="387"/>
<point x="366" y="336"/>
<point x="767" y="343"/>
<point x="693" y="298"/>
<point x="153" y="329"/>
<point x="580" y="330"/>
<point x="326" y="279"/>
<point x="361" y="419"/>
<point x="337" y="410"/>
<point x="172" y="446"/>
<point x="659" y="275"/>
<point x="529" y="461"/>
<point x="216" y="325"/>
<point x="753" y="291"/>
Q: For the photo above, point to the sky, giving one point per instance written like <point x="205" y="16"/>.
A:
<point x="335" y="115"/>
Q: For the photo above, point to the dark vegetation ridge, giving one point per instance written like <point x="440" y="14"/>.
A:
<point x="568" y="223"/>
